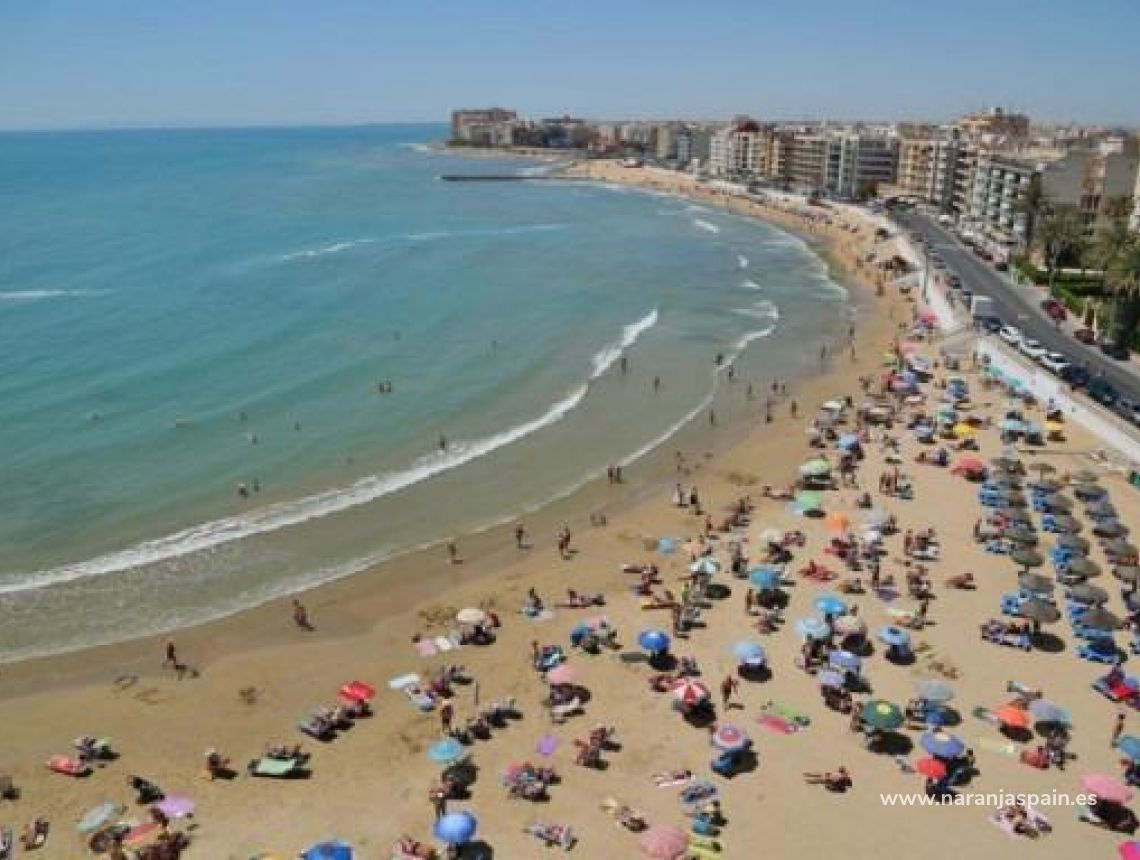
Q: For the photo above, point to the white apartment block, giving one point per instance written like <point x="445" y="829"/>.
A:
<point x="999" y="186"/>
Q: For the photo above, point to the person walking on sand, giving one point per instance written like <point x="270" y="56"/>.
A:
<point x="452" y="552"/>
<point x="446" y="714"/>
<point x="438" y="797"/>
<point x="301" y="615"/>
<point x="520" y="536"/>
<point x="728" y="688"/>
<point x="794" y="408"/>
<point x="1117" y="729"/>
<point x="171" y="659"/>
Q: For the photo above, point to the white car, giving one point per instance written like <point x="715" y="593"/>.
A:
<point x="1031" y="348"/>
<point x="1010" y="335"/>
<point x="1054" y="362"/>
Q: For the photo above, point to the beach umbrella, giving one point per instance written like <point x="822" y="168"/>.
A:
<point x="748" y="652"/>
<point x="969" y="466"/>
<point x="561" y="674"/>
<point x="690" y="692"/>
<point x="666" y="546"/>
<point x="1072" y="542"/>
<point x="705" y="566"/>
<point x="935" y="691"/>
<point x="1084" y="476"/>
<point x="764" y="578"/>
<point x="176" y="806"/>
<point x="1006" y="463"/>
<point x="1130" y="746"/>
<point x="816" y="468"/>
<point x="1101" y="509"/>
<point x="848" y="441"/>
<point x="455" y="828"/>
<point x="1127" y="573"/>
<point x="830" y="604"/>
<point x="334" y="850"/>
<point x="1106" y="787"/>
<point x="1012" y="716"/>
<point x="1066" y="524"/>
<point x="877" y="518"/>
<point x="830" y="678"/>
<point x="1110" y="529"/>
<point x="1035" y="582"/>
<point x="837" y="522"/>
<point x="844" y="661"/>
<point x="358" y="691"/>
<point x="881" y="714"/>
<point x="446" y="751"/>
<point x="930" y="767"/>
<point x="1119" y="547"/>
<point x="1039" y="611"/>
<point x="98" y="817"/>
<point x="1047" y="485"/>
<point x="813" y="627"/>
<point x="942" y="744"/>
<point x="662" y="842"/>
<point x="1099" y="618"/>
<point x="896" y="637"/>
<point x="654" y="641"/>
<point x="148" y="830"/>
<point x="1085" y="593"/>
<point x="1089" y="492"/>
<point x="1021" y="535"/>
<point x="849" y="625"/>
<point x="1027" y="557"/>
<point x="730" y="739"/>
<point x="1017" y="516"/>
<point x="471" y="615"/>
<point x="1084" y="567"/>
<point x="1044" y="711"/>
<point x="808" y="501"/>
<point x="1129" y="850"/>
<point x="1056" y="502"/>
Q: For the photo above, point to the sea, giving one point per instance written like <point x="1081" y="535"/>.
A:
<point x="235" y="364"/>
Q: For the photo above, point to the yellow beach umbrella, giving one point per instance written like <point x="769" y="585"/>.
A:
<point x="964" y="431"/>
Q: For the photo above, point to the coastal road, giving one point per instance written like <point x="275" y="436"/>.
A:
<point x="1019" y="307"/>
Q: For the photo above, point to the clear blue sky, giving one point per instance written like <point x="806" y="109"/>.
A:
<point x="82" y="63"/>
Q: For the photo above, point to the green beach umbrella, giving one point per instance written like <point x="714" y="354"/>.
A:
<point x="809" y="501"/>
<point x="1039" y="611"/>
<point x="1027" y="557"/>
<point x="1127" y="573"/>
<point x="1084" y="567"/>
<point x="1099" y="618"/>
<point x="881" y="714"/>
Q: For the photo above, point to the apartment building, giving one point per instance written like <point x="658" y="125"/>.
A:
<point x="842" y="163"/>
<point x="999" y="186"/>
<point x="735" y="151"/>
<point x="1091" y="179"/>
<point x="483" y="126"/>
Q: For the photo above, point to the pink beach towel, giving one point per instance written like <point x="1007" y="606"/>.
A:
<point x="425" y="648"/>
<point x="777" y="724"/>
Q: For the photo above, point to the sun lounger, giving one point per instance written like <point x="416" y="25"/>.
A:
<point x="419" y="697"/>
<point x="275" y="767"/>
<point x="1098" y="655"/>
<point x="673" y="778"/>
<point x="402" y="681"/>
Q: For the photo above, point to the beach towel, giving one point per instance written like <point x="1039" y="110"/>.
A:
<point x="425" y="647"/>
<point x="994" y="745"/>
<point x="401" y="681"/>
<point x="671" y="780"/>
<point x="777" y="724"/>
<point x="546" y="745"/>
<point x="789" y="713"/>
<point x="442" y="643"/>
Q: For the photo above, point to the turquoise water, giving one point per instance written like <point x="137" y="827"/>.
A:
<point x="186" y="312"/>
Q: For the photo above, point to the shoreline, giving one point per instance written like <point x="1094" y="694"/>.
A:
<point x="257" y="627"/>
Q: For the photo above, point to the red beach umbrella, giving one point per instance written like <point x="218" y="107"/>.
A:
<point x="358" y="691"/>
<point x="1013" y="716"/>
<point x="1106" y="787"/>
<point x="931" y="767"/>
<point x="690" y="692"/>
<point x="664" y="843"/>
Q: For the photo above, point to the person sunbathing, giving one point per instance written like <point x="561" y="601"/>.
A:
<point x="35" y="834"/>
<point x="672" y="776"/>
<point x="284" y="752"/>
<point x="409" y="847"/>
<point x="662" y="683"/>
<point x="963" y="581"/>
<point x="833" y="780"/>
<point x="216" y="764"/>
<point x="1018" y="817"/>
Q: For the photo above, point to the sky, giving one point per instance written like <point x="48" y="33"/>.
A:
<point x="112" y="63"/>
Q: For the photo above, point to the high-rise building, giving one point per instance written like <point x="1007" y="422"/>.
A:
<point x="999" y="187"/>
<point x="734" y="151"/>
<point x="842" y="163"/>
<point x="483" y="126"/>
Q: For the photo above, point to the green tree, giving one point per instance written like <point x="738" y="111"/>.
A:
<point x="1032" y="205"/>
<point x="1060" y="232"/>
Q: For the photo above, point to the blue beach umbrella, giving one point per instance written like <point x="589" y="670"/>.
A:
<point x="667" y="546"/>
<point x="446" y="751"/>
<point x="845" y="661"/>
<point x="1012" y="425"/>
<point x="455" y="828"/>
<point x="942" y="744"/>
<point x="1045" y="711"/>
<point x="894" y="636"/>
<point x="813" y="628"/>
<point x="830" y="604"/>
<point x="334" y="850"/>
<point x="1130" y="746"/>
<point x="748" y="652"/>
<point x="654" y="641"/>
<point x="830" y="678"/>
<point x="764" y="578"/>
<point x="705" y="566"/>
<point x="848" y="441"/>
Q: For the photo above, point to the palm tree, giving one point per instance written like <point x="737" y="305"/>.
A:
<point x="1125" y="279"/>
<point x="1060" y="231"/>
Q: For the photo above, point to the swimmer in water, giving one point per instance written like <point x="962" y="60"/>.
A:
<point x="442" y="442"/>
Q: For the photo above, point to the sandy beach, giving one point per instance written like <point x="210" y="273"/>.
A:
<point x="258" y="674"/>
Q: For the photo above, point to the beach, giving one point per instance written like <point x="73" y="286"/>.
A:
<point x="257" y="673"/>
